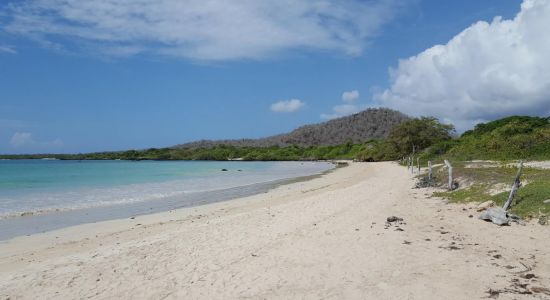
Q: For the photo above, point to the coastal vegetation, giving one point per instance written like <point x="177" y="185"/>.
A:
<point x="410" y="136"/>
<point x="511" y="138"/>
<point x="492" y="181"/>
<point x="219" y="152"/>
<point x="484" y="164"/>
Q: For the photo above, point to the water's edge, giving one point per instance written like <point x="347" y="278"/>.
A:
<point x="28" y="225"/>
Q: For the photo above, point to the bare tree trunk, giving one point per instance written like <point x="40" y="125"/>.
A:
<point x="450" y="168"/>
<point x="515" y="187"/>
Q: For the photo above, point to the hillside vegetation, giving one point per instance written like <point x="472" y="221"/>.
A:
<point x="372" y="135"/>
<point x="511" y="138"/>
<point x="517" y="137"/>
<point x="370" y="124"/>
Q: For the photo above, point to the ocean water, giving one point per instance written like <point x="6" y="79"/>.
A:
<point x="38" y="187"/>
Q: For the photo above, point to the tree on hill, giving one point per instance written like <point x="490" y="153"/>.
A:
<point x="413" y="135"/>
<point x="418" y="134"/>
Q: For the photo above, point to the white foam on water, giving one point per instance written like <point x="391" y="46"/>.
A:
<point x="88" y="197"/>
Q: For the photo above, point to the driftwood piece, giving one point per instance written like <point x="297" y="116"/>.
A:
<point x="515" y="187"/>
<point x="450" y="169"/>
<point x="496" y="215"/>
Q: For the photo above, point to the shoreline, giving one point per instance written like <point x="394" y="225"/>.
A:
<point x="25" y="224"/>
<point x="326" y="237"/>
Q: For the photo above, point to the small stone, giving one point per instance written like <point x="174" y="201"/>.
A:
<point x="543" y="220"/>
<point x="393" y="219"/>
<point x="224" y="170"/>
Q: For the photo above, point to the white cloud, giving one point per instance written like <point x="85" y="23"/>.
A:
<point x="26" y="140"/>
<point x="7" y="49"/>
<point x="487" y="71"/>
<point x="350" y="96"/>
<point x="287" y="106"/>
<point x="200" y="29"/>
<point x="349" y="108"/>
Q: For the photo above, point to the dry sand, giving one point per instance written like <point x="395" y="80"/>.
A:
<point x="325" y="238"/>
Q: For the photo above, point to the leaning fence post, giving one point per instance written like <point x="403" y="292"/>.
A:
<point x="515" y="187"/>
<point x="430" y="170"/>
<point x="450" y="168"/>
<point x="418" y="164"/>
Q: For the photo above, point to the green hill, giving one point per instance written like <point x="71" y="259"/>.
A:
<point x="516" y="137"/>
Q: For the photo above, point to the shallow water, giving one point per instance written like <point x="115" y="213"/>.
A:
<point x="41" y="195"/>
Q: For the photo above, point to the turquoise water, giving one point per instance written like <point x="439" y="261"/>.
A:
<point x="52" y="185"/>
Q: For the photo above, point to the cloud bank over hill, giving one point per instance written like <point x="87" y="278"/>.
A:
<point x="487" y="71"/>
<point x="349" y="107"/>
<point x="199" y="29"/>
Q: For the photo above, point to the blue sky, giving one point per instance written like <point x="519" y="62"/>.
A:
<point x="75" y="81"/>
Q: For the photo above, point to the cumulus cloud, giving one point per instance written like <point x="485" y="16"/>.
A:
<point x="26" y="139"/>
<point x="488" y="71"/>
<point x="7" y="49"/>
<point x="287" y="106"/>
<point x="350" y="107"/>
<point x="350" y="96"/>
<point x="199" y="29"/>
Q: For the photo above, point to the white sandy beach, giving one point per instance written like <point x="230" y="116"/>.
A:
<point x="325" y="238"/>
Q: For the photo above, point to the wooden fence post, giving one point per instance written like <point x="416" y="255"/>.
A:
<point x="450" y="168"/>
<point x="412" y="165"/>
<point x="515" y="187"/>
<point x="430" y="170"/>
<point x="418" y="164"/>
